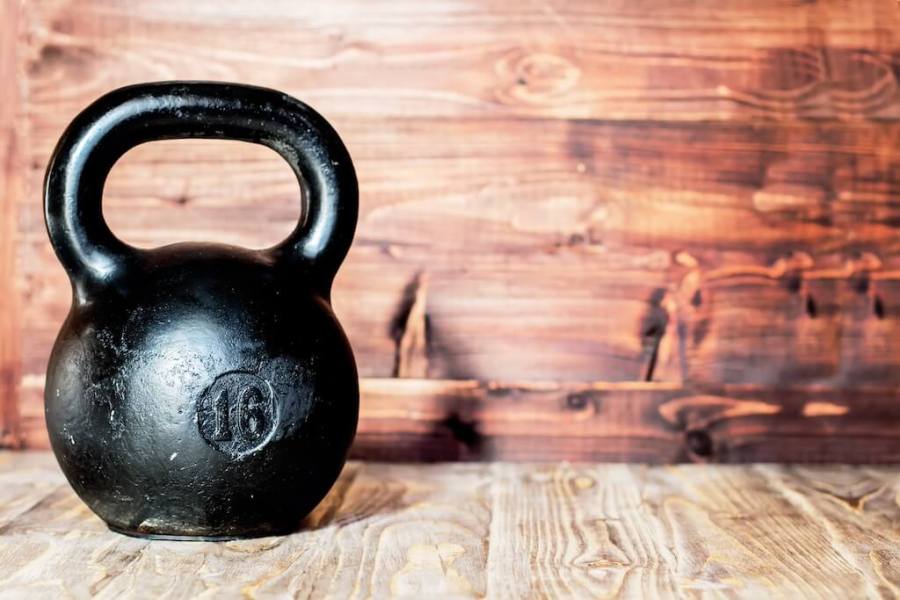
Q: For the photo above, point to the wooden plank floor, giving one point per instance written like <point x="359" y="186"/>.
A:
<point x="490" y="529"/>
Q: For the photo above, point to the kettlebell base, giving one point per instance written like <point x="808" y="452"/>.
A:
<point x="149" y="535"/>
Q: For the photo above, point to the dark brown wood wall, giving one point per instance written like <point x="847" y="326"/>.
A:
<point x="636" y="230"/>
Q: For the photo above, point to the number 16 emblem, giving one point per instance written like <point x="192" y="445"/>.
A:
<point x="237" y="413"/>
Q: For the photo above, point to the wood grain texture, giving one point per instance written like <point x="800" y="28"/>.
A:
<point x="659" y="423"/>
<point x="696" y="197"/>
<point x="432" y="420"/>
<point x="604" y="249"/>
<point x="12" y="178"/>
<point x="489" y="530"/>
<point x="616" y="60"/>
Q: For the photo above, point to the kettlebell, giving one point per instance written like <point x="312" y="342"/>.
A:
<point x="201" y="391"/>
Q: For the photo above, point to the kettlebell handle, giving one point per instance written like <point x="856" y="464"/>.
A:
<point x="124" y="118"/>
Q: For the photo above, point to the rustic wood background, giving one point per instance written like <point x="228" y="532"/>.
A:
<point x="640" y="229"/>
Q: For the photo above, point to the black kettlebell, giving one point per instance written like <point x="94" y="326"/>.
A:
<point x="201" y="391"/>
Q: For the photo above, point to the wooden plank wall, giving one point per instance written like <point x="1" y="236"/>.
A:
<point x="11" y="187"/>
<point x="589" y="230"/>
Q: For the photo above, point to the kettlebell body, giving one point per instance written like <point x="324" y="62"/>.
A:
<point x="201" y="391"/>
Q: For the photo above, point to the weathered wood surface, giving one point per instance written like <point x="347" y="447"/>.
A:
<point x="588" y="257"/>
<point x="689" y="194"/>
<point x="441" y="420"/>
<point x="628" y="59"/>
<point x="12" y="177"/>
<point x="492" y="530"/>
<point x="459" y="420"/>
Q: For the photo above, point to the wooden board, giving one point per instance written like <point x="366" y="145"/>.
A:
<point x="403" y="420"/>
<point x="489" y="530"/>
<point x="12" y="178"/>
<point x="648" y="59"/>
<point x="701" y="198"/>
<point x="437" y="420"/>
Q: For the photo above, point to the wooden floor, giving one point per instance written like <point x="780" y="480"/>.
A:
<point x="498" y="530"/>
